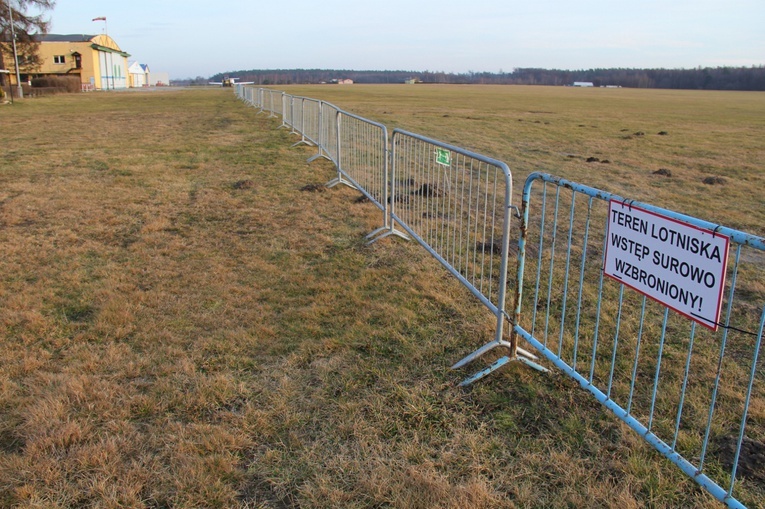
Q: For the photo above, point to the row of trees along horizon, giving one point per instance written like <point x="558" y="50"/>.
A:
<point x="706" y="78"/>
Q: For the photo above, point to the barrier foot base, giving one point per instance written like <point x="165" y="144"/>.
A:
<point x="477" y="353"/>
<point x="533" y="365"/>
<point x="315" y="157"/>
<point x="386" y="232"/>
<point x="498" y="364"/>
<point x="301" y="142"/>
<point x="490" y="346"/>
<point x="340" y="180"/>
<point x="521" y="355"/>
<point x="486" y="372"/>
<point x="526" y="353"/>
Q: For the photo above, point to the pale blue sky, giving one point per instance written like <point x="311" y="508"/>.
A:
<point x="189" y="38"/>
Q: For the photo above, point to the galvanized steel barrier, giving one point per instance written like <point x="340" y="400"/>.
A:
<point x="245" y="93"/>
<point x="273" y="102"/>
<point x="288" y="112"/>
<point x="457" y="205"/>
<point x="362" y="163"/>
<point x="309" y="127"/>
<point x="686" y="384"/>
<point x="315" y="121"/>
<point x="259" y="98"/>
<point x="327" y="145"/>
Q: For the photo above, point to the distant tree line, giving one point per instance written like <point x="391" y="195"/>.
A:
<point x="303" y="76"/>
<point x="706" y="78"/>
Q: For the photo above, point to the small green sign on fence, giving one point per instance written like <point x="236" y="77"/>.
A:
<point x="443" y="156"/>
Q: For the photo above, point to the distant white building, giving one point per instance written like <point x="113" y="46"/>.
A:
<point x="139" y="75"/>
<point x="159" y="79"/>
<point x="584" y="84"/>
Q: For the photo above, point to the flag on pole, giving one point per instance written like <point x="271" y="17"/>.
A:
<point x="100" y="18"/>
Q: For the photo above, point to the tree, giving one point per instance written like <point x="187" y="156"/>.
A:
<point x="26" y="26"/>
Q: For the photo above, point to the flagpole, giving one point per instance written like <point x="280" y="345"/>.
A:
<point x="106" y="65"/>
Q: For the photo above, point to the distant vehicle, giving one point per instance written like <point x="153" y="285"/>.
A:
<point x="230" y="82"/>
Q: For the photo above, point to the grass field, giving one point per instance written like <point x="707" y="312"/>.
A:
<point x="187" y="322"/>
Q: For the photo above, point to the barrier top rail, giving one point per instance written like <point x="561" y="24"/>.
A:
<point x="735" y="235"/>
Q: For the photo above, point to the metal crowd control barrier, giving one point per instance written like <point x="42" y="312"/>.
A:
<point x="362" y="163"/>
<point x="265" y="101"/>
<point x="288" y="112"/>
<point x="246" y="93"/>
<point x="258" y="95"/>
<point x="273" y="102"/>
<point x="686" y="384"/>
<point x="314" y="120"/>
<point x="457" y="205"/>
<point x="305" y="120"/>
<point x="680" y="373"/>
<point x="267" y="105"/>
<point x="311" y="128"/>
<point x="239" y="91"/>
<point x="327" y="138"/>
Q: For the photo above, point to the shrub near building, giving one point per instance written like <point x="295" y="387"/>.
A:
<point x="57" y="84"/>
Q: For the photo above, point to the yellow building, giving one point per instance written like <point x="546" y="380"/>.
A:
<point x="96" y="59"/>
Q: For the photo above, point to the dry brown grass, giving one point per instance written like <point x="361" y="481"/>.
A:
<point x="170" y="339"/>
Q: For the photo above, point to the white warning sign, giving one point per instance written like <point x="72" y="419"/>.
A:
<point x="680" y="265"/>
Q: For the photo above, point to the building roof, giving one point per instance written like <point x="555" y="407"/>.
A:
<point x="100" y="42"/>
<point x="65" y="38"/>
<point x="136" y="67"/>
